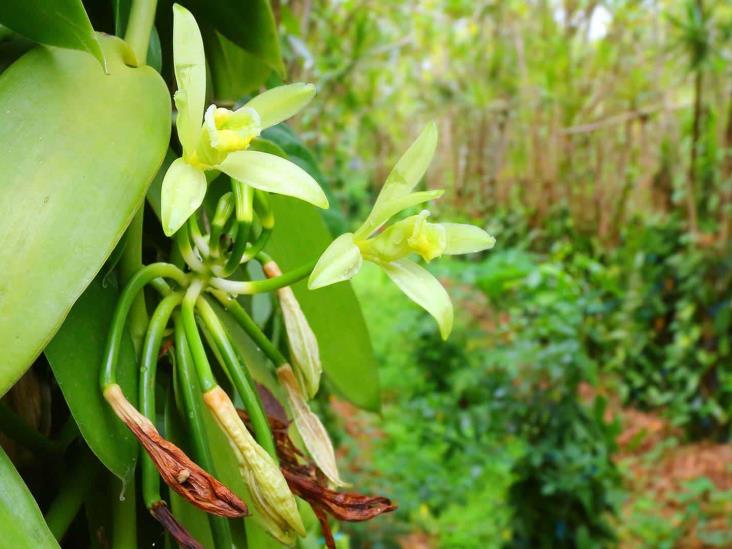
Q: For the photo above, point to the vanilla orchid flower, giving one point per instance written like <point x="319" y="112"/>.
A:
<point x="218" y="140"/>
<point x="391" y="248"/>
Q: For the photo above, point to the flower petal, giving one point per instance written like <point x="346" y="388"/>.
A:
<point x="190" y="74"/>
<point x="392" y="208"/>
<point x="340" y="261"/>
<point x="281" y="103"/>
<point x="404" y="177"/>
<point x="466" y="239"/>
<point x="310" y="427"/>
<point x="424" y="289"/>
<point x="273" y="174"/>
<point x="182" y="193"/>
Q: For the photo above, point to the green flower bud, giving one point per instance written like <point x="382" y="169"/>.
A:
<point x="276" y="506"/>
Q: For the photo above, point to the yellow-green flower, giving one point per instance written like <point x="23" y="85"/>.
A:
<point x="391" y="248"/>
<point x="219" y="140"/>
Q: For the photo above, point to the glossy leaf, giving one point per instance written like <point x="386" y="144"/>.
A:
<point x="75" y="355"/>
<point x="78" y="149"/>
<point x="234" y="71"/>
<point x="62" y="23"/>
<point x="334" y="313"/>
<point x="250" y="25"/>
<point x="21" y="522"/>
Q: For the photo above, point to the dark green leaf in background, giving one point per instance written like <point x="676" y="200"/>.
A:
<point x="334" y="313"/>
<point x="249" y="24"/>
<point x="75" y="355"/>
<point x="21" y="522"/>
<point x="62" y="23"/>
<point x="234" y="71"/>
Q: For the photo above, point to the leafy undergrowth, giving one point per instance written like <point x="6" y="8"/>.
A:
<point x="678" y="494"/>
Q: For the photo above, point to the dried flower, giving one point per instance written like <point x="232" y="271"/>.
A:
<point x="275" y="504"/>
<point x="163" y="515"/>
<point x="309" y="426"/>
<point x="303" y="344"/>
<point x="177" y="470"/>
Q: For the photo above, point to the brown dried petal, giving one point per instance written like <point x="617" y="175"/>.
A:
<point x="342" y="505"/>
<point x="177" y="470"/>
<point x="163" y="515"/>
<point x="324" y="526"/>
<point x="271" y="405"/>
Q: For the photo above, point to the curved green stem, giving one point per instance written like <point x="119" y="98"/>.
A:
<point x="148" y="368"/>
<point x="183" y="241"/>
<point x="139" y="27"/>
<point x="250" y="327"/>
<point x="187" y="385"/>
<point x="261" y="286"/>
<point x="243" y="199"/>
<point x="224" y="209"/>
<point x="136" y="283"/>
<point x="130" y="262"/>
<point x="240" y="375"/>
<point x="197" y="235"/>
<point x="203" y="368"/>
<point x="256" y="248"/>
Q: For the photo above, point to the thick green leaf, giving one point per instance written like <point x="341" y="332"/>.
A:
<point x="250" y="25"/>
<point x="62" y="23"/>
<point x="78" y="149"/>
<point x="334" y="313"/>
<point x="75" y="355"/>
<point x="283" y="136"/>
<point x="21" y="522"/>
<point x="234" y="71"/>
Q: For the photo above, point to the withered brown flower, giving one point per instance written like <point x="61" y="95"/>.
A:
<point x="305" y="481"/>
<point x="163" y="515"/>
<point x="178" y="471"/>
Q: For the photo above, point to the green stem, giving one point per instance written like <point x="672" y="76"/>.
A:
<point x="244" y="199"/>
<point x="240" y="375"/>
<point x="183" y="241"/>
<point x="256" y="248"/>
<point x="194" y="414"/>
<point x="203" y="368"/>
<point x="148" y="368"/>
<point x="139" y="27"/>
<point x="197" y="236"/>
<point x="124" y="518"/>
<point x="13" y="426"/>
<point x="130" y="262"/>
<point x="224" y="209"/>
<point x="250" y="327"/>
<point x="68" y="501"/>
<point x="136" y="283"/>
<point x="261" y="286"/>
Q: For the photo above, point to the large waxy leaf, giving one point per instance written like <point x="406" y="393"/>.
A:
<point x="21" y="522"/>
<point x="75" y="355"/>
<point x="250" y="25"/>
<point x="78" y="149"/>
<point x="62" y="23"/>
<point x="334" y="313"/>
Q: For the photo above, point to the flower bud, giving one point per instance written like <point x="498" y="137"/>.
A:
<point x="276" y="506"/>
<point x="301" y="339"/>
<point x="177" y="470"/>
<point x="309" y="426"/>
